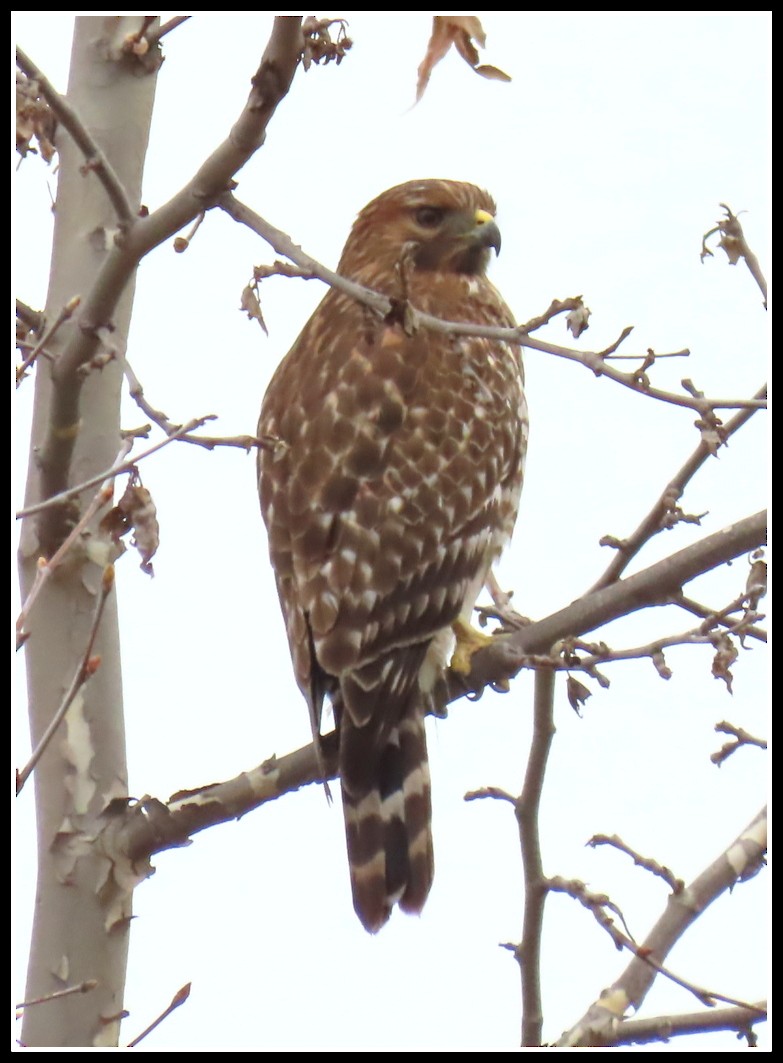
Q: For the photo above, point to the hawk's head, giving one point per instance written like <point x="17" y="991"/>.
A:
<point x="441" y="226"/>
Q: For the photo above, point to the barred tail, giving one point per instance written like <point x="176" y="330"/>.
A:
<point x="387" y="810"/>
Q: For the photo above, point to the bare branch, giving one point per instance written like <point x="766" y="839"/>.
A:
<point x="599" y="905"/>
<point x="82" y="987"/>
<point x="528" y="955"/>
<point x="380" y="304"/>
<point x="269" y="85"/>
<point x="661" y="1028"/>
<point x="719" y="617"/>
<point x="115" y="470"/>
<point x="33" y="320"/>
<point x="177" y="431"/>
<point x="65" y="314"/>
<point x="85" y="669"/>
<point x="566" y="658"/>
<point x="741" y="738"/>
<point x="154" y="36"/>
<point x="46" y="568"/>
<point x="601" y="1023"/>
<point x="646" y="862"/>
<point x="94" y="159"/>
<point x="179" y="998"/>
<point x="665" y="513"/>
<point x="493" y="792"/>
<point x="659" y="584"/>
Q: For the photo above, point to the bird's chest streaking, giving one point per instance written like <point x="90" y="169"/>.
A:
<point x="395" y="473"/>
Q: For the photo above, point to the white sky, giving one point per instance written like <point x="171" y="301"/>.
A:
<point x="608" y="155"/>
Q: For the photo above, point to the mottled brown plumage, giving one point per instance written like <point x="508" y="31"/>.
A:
<point x="390" y="484"/>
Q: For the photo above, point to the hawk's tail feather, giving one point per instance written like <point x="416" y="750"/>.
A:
<point x="387" y="821"/>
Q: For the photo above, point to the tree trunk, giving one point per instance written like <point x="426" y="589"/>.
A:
<point x="82" y="909"/>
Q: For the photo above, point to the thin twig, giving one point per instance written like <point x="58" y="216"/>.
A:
<point x="528" y="955"/>
<point x="741" y="859"/>
<point x="665" y="513"/>
<point x="646" y="862"/>
<point x="85" y="669"/>
<point x="597" y="904"/>
<point x="179" y="998"/>
<point x="65" y="314"/>
<point x="82" y="987"/>
<point x="741" y="738"/>
<point x="159" y="417"/>
<point x="32" y="319"/>
<point x="115" y="470"/>
<point x="155" y="35"/>
<point x="704" y="611"/>
<point x="46" y="568"/>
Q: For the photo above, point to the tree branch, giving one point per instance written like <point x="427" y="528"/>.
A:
<point x="269" y="85"/>
<point x="95" y="160"/>
<point x="602" y="1022"/>
<point x="593" y="360"/>
<point x="528" y="953"/>
<point x="661" y="1028"/>
<point x="87" y="667"/>
<point x="657" y="585"/>
<point x="665" y="513"/>
<point x="151" y="825"/>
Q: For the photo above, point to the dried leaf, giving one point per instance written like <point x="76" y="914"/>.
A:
<point x="492" y="73"/>
<point x="726" y="654"/>
<point x="577" y="320"/>
<point x="252" y="307"/>
<point x="135" y="512"/>
<point x="732" y="246"/>
<point x="34" y="120"/>
<point x="578" y="694"/>
<point x="460" y="31"/>
<point x="319" y="47"/>
<point x="756" y="586"/>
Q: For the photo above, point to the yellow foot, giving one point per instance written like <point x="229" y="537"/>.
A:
<point x="468" y="641"/>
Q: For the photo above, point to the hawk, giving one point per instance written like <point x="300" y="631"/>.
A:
<point x="389" y="481"/>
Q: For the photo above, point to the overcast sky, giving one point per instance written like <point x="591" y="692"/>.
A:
<point x="608" y="155"/>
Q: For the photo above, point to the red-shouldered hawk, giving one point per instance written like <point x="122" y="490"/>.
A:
<point x="389" y="483"/>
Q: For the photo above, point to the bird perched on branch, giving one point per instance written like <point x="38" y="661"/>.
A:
<point x="389" y="481"/>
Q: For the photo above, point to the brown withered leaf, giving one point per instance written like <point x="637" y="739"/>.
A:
<point x="34" y="120"/>
<point x="756" y="586"/>
<point x="135" y="512"/>
<point x="492" y="73"/>
<point x="725" y="655"/>
<point x="252" y="307"/>
<point x="578" y="694"/>
<point x="460" y="31"/>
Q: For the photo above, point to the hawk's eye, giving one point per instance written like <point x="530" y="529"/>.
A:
<point x="429" y="217"/>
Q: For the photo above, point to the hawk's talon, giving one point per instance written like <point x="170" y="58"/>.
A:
<point x="469" y="640"/>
